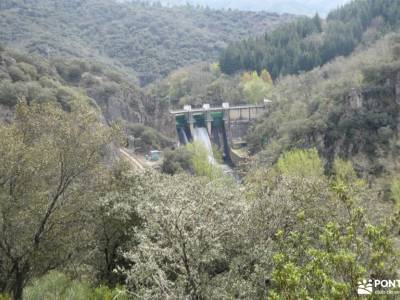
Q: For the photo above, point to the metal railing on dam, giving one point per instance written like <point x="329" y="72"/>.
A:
<point x="243" y="112"/>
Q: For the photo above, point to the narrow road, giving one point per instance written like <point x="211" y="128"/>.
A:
<point x="132" y="160"/>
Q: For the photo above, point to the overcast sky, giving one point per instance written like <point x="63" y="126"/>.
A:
<point x="308" y="7"/>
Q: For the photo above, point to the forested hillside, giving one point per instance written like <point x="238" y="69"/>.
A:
<point x="349" y="108"/>
<point x="310" y="42"/>
<point x="148" y="40"/>
<point x="311" y="211"/>
<point x="31" y="79"/>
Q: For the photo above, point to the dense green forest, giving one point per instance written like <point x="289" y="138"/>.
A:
<point x="316" y="209"/>
<point x="149" y="41"/>
<point x="311" y="42"/>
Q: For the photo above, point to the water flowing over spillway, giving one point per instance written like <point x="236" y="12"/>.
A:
<point x="200" y="134"/>
<point x="182" y="136"/>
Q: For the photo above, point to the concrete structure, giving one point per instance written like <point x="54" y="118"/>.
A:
<point x="226" y="125"/>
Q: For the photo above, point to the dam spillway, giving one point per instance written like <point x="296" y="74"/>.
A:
<point x="224" y="126"/>
<point x="201" y="136"/>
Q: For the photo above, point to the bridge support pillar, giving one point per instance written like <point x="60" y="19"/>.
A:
<point x="209" y="121"/>
<point x="226" y="118"/>
<point x="191" y="122"/>
<point x="227" y="127"/>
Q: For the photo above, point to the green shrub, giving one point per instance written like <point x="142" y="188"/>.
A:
<point x="395" y="190"/>
<point x="201" y="162"/>
<point x="28" y="69"/>
<point x="57" y="286"/>
<point x="147" y="137"/>
<point x="74" y="73"/>
<point x="103" y="293"/>
<point x="114" y="76"/>
<point x="17" y="74"/>
<point x="302" y="163"/>
<point x="11" y="92"/>
<point x="89" y="80"/>
<point x="194" y="158"/>
<point x="52" y="286"/>
<point x="96" y="68"/>
<point x="176" y="161"/>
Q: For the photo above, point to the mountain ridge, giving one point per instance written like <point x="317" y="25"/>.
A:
<point x="288" y="6"/>
<point x="147" y="40"/>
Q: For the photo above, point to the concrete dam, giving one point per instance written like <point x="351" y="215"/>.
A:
<point x="223" y="126"/>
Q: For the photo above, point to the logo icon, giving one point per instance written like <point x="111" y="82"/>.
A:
<point x="365" y="287"/>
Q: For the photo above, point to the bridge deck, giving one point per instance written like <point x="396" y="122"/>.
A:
<point x="200" y="110"/>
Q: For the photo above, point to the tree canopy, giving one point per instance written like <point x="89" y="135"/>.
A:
<point x="310" y="42"/>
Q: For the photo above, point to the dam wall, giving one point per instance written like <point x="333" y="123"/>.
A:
<point x="225" y="125"/>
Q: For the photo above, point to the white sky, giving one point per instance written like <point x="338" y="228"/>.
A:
<point x="309" y="7"/>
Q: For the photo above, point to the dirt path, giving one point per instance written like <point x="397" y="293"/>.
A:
<point x="131" y="159"/>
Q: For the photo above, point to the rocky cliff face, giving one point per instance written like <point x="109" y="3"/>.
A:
<point x="117" y="96"/>
<point x="367" y="127"/>
<point x="117" y="100"/>
<point x="27" y="78"/>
